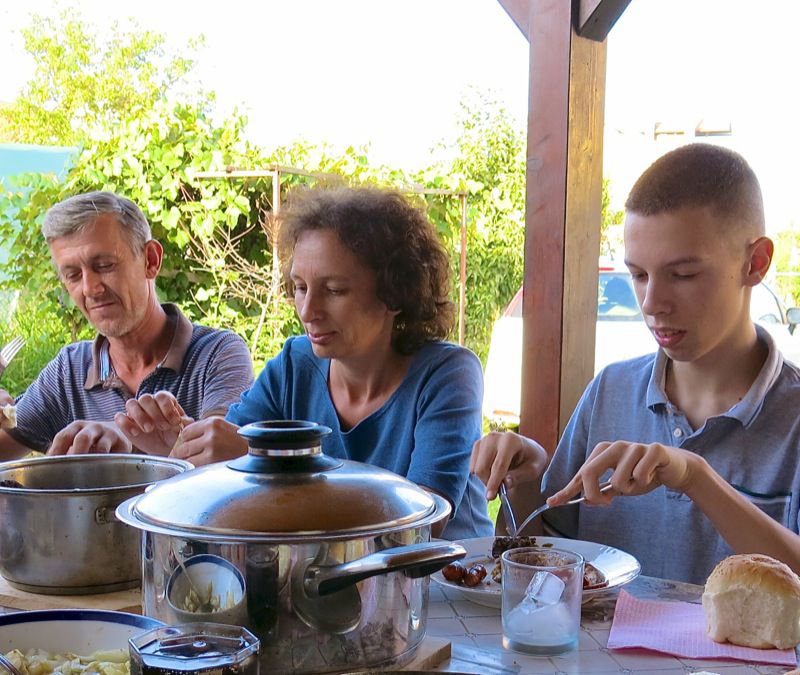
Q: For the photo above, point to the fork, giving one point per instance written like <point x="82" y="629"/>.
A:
<point x="8" y="352"/>
<point x="6" y="663"/>
<point x="604" y="487"/>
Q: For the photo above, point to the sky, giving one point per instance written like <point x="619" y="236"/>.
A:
<point x="391" y="74"/>
<point x="682" y="61"/>
<point x="348" y="72"/>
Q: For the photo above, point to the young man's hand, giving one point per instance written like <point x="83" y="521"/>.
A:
<point x="84" y="437"/>
<point x="506" y="457"/>
<point x="210" y="440"/>
<point x="153" y="422"/>
<point x="637" y="468"/>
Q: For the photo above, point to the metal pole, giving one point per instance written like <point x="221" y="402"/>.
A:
<point x="462" y="294"/>
<point x="276" y="265"/>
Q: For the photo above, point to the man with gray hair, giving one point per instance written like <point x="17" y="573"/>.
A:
<point x="149" y="368"/>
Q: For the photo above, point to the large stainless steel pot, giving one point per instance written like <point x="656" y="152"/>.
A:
<point x="59" y="534"/>
<point x="331" y="557"/>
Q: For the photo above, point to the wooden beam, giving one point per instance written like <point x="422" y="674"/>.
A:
<point x="597" y="17"/>
<point x="520" y="13"/>
<point x="563" y="191"/>
<point x="583" y="219"/>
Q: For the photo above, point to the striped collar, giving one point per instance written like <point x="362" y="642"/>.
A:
<point x="745" y="410"/>
<point x="102" y="372"/>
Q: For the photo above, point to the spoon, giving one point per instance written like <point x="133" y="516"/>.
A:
<point x="9" y="665"/>
<point x="205" y="605"/>
<point x="604" y="487"/>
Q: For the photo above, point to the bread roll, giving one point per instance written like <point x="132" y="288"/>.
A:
<point x="8" y="416"/>
<point x="753" y="600"/>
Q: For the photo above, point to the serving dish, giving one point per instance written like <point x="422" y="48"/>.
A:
<point x="59" y="534"/>
<point x="617" y="566"/>
<point x="80" y="631"/>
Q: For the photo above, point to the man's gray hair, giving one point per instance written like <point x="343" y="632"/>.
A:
<point x="76" y="213"/>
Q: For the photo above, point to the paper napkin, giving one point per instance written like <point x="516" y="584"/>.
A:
<point x="679" y="629"/>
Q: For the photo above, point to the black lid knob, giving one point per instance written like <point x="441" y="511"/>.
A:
<point x="284" y="434"/>
<point x="284" y="446"/>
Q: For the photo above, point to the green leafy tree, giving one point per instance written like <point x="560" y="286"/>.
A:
<point x="107" y="96"/>
<point x="610" y="224"/>
<point x="152" y="159"/>
<point x="787" y="265"/>
<point x="488" y="162"/>
<point x="82" y="79"/>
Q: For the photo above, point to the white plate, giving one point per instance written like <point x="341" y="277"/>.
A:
<point x="618" y="567"/>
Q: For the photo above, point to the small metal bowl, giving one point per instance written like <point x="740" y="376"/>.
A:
<point x="195" y="577"/>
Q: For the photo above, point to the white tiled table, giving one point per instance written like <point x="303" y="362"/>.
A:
<point x="475" y="633"/>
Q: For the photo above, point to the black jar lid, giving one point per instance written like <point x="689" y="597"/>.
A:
<point x="195" y="647"/>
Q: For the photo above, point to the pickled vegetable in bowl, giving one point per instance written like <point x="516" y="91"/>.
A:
<point x="71" y="641"/>
<point x="36" y="661"/>
<point x="207" y="588"/>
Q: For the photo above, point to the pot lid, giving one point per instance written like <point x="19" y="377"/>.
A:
<point x="284" y="488"/>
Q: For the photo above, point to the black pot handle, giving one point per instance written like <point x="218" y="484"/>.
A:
<point x="416" y="560"/>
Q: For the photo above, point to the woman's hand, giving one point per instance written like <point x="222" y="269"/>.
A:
<point x="5" y="397"/>
<point x="508" y="458"/>
<point x="153" y="422"/>
<point x="638" y="468"/>
<point x="210" y="440"/>
<point x="84" y="437"/>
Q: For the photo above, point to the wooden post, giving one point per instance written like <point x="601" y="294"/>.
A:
<point x="562" y="213"/>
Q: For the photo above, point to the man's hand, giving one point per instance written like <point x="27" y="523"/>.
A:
<point x="152" y="422"/>
<point x="506" y="457"/>
<point x="210" y="440"/>
<point x="637" y="469"/>
<point x="82" y="437"/>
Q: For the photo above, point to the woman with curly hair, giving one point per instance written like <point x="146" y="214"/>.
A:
<point x="370" y="280"/>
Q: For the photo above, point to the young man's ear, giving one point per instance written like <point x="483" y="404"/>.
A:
<point x="760" y="258"/>
<point x="153" y="255"/>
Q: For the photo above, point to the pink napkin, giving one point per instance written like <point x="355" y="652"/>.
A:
<point x="679" y="628"/>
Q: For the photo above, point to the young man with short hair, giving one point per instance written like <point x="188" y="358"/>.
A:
<point x="704" y="434"/>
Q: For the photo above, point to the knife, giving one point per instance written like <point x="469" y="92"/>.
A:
<point x="508" y="512"/>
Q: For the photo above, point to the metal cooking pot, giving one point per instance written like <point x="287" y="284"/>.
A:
<point x="59" y="534"/>
<point x="335" y="554"/>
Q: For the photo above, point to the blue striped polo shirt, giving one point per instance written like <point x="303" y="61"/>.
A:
<point x="205" y="369"/>
<point x="754" y="446"/>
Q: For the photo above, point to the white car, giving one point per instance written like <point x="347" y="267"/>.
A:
<point x="621" y="334"/>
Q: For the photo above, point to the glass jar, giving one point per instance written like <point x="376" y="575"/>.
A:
<point x="202" y="648"/>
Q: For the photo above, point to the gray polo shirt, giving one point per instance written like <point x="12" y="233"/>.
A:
<point x="205" y="368"/>
<point x="755" y="446"/>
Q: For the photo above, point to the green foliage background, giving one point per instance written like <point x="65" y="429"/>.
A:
<point x="144" y="130"/>
<point x="113" y="98"/>
<point x="787" y="263"/>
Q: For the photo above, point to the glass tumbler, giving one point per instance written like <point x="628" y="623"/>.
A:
<point x="542" y="589"/>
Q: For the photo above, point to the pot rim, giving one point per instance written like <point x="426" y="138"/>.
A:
<point x="75" y="459"/>
<point x="126" y="512"/>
